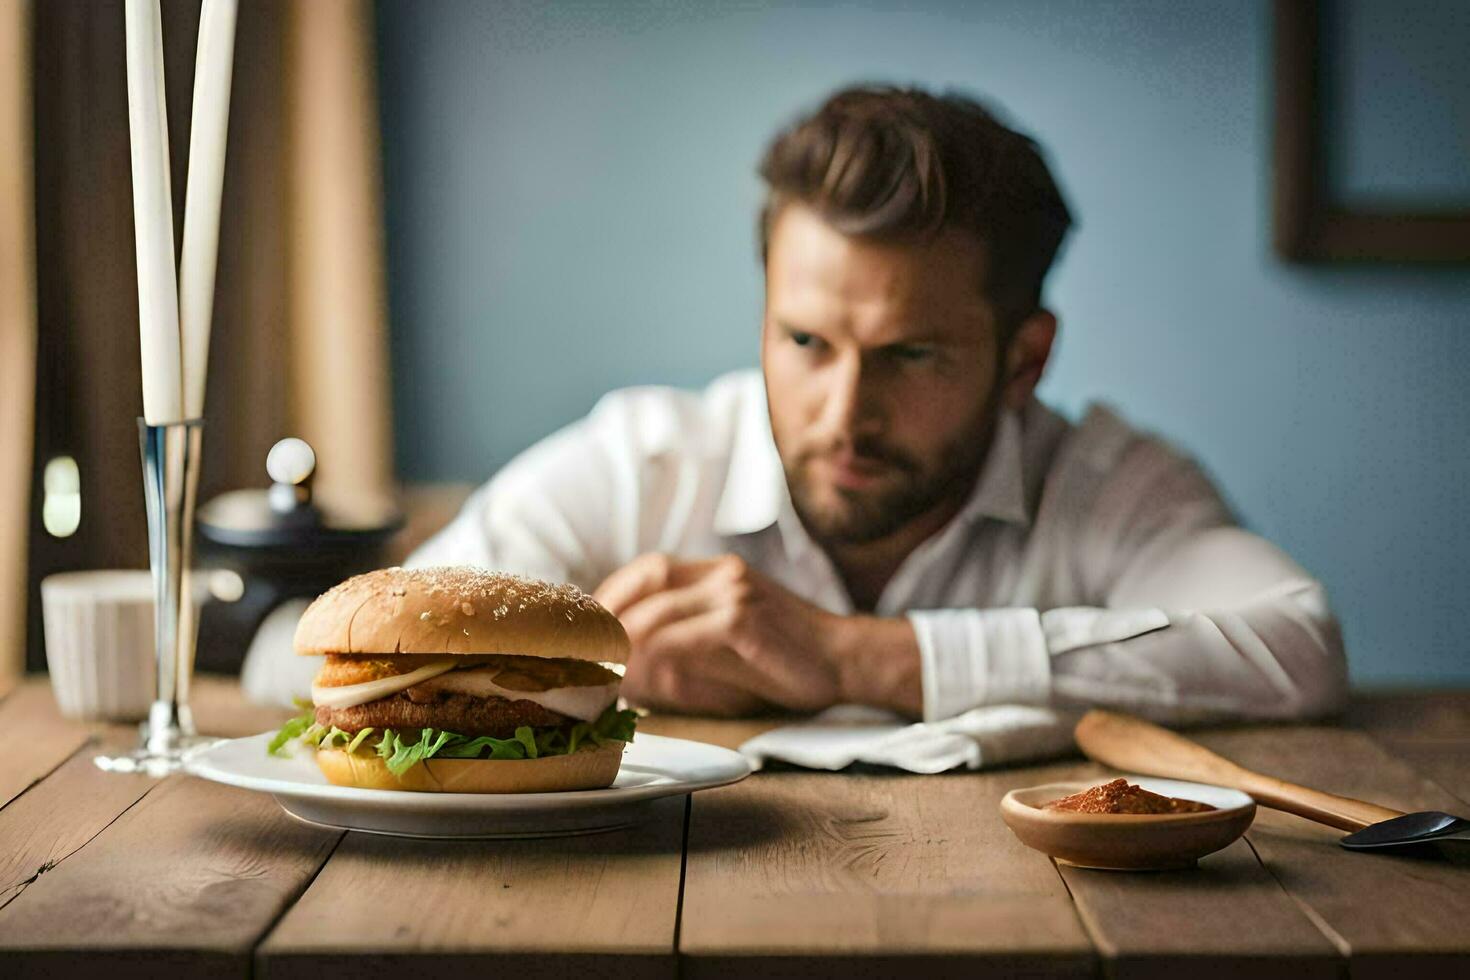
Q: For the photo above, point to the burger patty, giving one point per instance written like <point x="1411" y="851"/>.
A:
<point x="463" y="714"/>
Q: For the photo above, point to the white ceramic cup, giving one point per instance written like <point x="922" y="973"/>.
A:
<point x="99" y="643"/>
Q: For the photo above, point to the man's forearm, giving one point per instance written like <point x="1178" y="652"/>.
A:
<point x="877" y="662"/>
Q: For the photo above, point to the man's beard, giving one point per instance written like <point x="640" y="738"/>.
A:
<point x="859" y="517"/>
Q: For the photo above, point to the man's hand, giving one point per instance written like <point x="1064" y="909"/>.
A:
<point x="718" y="637"/>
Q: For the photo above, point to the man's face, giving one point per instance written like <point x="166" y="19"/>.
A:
<point x="880" y="362"/>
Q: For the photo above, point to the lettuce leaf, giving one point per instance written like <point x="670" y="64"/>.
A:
<point x="294" y="728"/>
<point x="402" y="751"/>
<point x="357" y="739"/>
<point x="614" y="726"/>
<point x="333" y="736"/>
<point x="484" y="747"/>
<point x="406" y="755"/>
<point x="526" y="737"/>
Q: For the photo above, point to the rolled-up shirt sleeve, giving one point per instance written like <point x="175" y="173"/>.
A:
<point x="1276" y="653"/>
<point x="974" y="657"/>
<point x="1249" y="635"/>
<point x="1197" y="620"/>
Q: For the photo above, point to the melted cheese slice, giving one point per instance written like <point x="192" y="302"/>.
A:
<point x="351" y="695"/>
<point x="583" y="703"/>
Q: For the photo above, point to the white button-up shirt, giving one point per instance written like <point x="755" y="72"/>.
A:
<point x="1091" y="565"/>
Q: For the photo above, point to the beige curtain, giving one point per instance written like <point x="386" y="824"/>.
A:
<point x="300" y="335"/>
<point x="17" y="330"/>
<point x="339" y="367"/>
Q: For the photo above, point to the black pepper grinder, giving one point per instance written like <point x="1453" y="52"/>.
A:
<point x="272" y="551"/>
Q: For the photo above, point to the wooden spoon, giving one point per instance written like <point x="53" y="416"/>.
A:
<point x="1134" y="745"/>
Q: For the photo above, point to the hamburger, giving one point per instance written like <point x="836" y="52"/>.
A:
<point x="462" y="680"/>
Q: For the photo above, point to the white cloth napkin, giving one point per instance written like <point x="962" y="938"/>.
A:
<point x="848" y="733"/>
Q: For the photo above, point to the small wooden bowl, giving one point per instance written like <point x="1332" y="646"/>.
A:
<point x="1128" y="841"/>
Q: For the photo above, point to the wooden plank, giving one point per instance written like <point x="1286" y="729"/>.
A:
<point x="801" y="874"/>
<point x="66" y="809"/>
<point x="1391" y="915"/>
<point x="59" y="816"/>
<point x="1445" y="761"/>
<point x="50" y="738"/>
<point x="727" y="732"/>
<point x="1428" y="729"/>
<point x="602" y="904"/>
<point x="1228" y="917"/>
<point x="183" y="883"/>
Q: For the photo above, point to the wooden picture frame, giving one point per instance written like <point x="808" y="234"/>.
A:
<point x="1307" y="225"/>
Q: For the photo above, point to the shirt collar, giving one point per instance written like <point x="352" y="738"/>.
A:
<point x="1001" y="490"/>
<point x="755" y="492"/>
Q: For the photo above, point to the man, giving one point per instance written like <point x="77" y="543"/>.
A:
<point x="892" y="518"/>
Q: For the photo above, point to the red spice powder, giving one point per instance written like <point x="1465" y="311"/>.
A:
<point x="1120" y="796"/>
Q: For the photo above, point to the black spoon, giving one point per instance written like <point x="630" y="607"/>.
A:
<point x="1425" y="827"/>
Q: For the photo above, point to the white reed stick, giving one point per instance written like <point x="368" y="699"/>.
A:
<point x="212" y="70"/>
<point x="153" y="221"/>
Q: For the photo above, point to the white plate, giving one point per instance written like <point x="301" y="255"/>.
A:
<point x="653" y="766"/>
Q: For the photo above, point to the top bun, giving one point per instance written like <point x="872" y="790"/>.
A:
<point x="460" y="610"/>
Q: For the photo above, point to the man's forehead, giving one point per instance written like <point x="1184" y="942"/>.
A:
<point x="933" y="286"/>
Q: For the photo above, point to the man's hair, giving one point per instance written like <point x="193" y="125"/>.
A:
<point x="895" y="164"/>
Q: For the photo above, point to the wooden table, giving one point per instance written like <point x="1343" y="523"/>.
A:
<point x="787" y="874"/>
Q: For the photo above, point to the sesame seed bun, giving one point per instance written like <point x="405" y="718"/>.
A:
<point x="437" y="611"/>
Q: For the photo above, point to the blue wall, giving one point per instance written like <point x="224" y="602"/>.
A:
<point x="571" y="201"/>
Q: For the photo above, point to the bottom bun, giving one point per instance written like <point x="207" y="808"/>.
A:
<point x="592" y="768"/>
